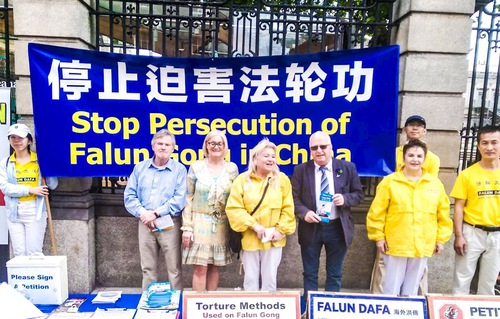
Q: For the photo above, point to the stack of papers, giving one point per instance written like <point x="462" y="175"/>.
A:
<point x="69" y="309"/>
<point x="159" y="299"/>
<point x="169" y="302"/>
<point x="107" y="297"/>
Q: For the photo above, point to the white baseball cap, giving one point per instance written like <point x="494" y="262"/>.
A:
<point x="19" y="129"/>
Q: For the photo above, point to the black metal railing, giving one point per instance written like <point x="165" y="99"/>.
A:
<point x="483" y="80"/>
<point x="225" y="28"/>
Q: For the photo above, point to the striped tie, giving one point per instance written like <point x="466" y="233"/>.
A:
<point x="324" y="180"/>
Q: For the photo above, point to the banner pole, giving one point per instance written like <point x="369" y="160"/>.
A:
<point x="51" y="226"/>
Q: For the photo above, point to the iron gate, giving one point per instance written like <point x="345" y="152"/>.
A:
<point x="229" y="28"/>
<point x="483" y="82"/>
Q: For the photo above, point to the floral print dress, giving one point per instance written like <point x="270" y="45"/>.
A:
<point x="205" y="215"/>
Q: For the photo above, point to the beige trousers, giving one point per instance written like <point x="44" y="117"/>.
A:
<point x="153" y="245"/>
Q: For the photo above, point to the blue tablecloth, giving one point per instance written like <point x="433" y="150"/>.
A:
<point x="128" y="301"/>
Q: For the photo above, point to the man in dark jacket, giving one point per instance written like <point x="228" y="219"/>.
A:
<point x="335" y="183"/>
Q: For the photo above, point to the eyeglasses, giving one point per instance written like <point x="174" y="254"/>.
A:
<point x="214" y="144"/>
<point x="323" y="147"/>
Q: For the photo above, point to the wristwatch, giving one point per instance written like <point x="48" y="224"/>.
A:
<point x="157" y="215"/>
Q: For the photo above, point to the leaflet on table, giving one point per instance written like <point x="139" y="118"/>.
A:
<point x="325" y="207"/>
<point x="268" y="234"/>
<point x="163" y="223"/>
<point x="145" y="302"/>
<point x="70" y="305"/>
<point x="107" y="297"/>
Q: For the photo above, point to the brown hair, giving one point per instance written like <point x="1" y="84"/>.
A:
<point x="414" y="143"/>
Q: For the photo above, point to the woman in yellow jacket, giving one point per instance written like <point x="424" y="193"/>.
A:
<point x="264" y="232"/>
<point x="410" y="221"/>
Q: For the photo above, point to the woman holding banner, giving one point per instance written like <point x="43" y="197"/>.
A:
<point x="204" y="221"/>
<point x="409" y="220"/>
<point x="260" y="206"/>
<point x="21" y="183"/>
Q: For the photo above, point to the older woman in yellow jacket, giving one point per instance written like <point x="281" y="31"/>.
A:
<point x="410" y="221"/>
<point x="264" y="231"/>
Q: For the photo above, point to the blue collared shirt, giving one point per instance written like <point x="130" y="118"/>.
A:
<point x="162" y="189"/>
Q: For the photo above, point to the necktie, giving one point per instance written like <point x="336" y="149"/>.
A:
<point x="324" y="180"/>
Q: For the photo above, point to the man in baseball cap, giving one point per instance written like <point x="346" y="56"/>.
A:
<point x="414" y="119"/>
<point x="20" y="130"/>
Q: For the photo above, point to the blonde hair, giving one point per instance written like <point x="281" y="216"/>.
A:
<point x="211" y="135"/>
<point x="252" y="164"/>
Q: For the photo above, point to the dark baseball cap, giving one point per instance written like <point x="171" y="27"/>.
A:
<point x="415" y="118"/>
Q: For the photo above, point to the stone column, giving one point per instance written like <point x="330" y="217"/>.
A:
<point x="434" y="41"/>
<point x="63" y="23"/>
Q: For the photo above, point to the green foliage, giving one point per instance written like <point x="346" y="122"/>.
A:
<point x="369" y="18"/>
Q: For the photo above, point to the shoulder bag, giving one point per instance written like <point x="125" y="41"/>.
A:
<point x="234" y="236"/>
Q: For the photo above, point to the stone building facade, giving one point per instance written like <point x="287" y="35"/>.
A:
<point x="101" y="241"/>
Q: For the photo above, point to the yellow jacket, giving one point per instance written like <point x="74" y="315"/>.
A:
<point x="276" y="210"/>
<point x="411" y="216"/>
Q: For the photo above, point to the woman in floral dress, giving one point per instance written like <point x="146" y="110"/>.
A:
<point x="204" y="223"/>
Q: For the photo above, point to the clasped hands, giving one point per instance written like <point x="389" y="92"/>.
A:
<point x="148" y="218"/>
<point x="261" y="232"/>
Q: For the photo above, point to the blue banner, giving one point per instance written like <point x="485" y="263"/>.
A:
<point x="95" y="112"/>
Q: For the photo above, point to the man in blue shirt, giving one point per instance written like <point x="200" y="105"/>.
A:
<point x="157" y="188"/>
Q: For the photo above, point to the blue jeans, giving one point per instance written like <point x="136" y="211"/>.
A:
<point x="332" y="237"/>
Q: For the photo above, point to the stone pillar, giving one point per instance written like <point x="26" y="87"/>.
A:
<point x="434" y="41"/>
<point x="63" y="23"/>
